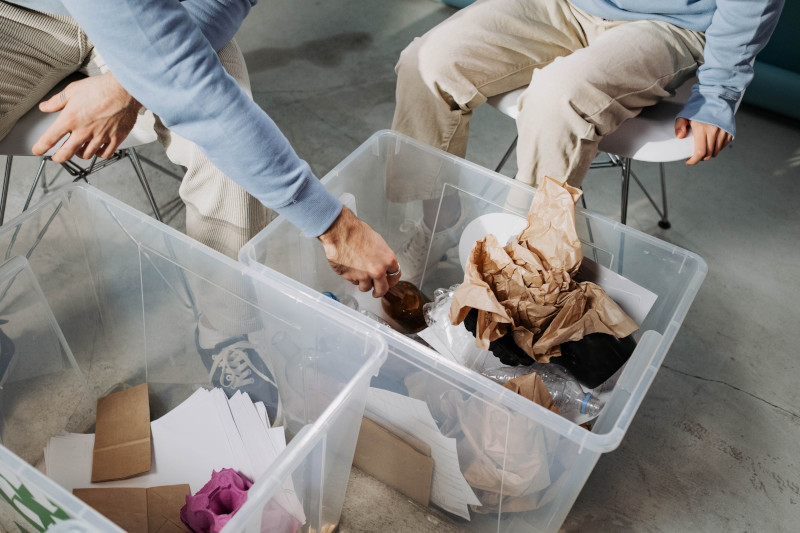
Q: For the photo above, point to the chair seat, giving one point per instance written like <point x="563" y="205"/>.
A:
<point x="34" y="123"/>
<point x="649" y="137"/>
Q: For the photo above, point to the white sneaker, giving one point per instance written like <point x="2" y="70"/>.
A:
<point x="233" y="363"/>
<point x="424" y="247"/>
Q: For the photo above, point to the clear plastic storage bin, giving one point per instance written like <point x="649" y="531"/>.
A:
<point x="533" y="461"/>
<point x="96" y="297"/>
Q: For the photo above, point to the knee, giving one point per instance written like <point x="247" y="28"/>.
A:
<point x="421" y="60"/>
<point x="557" y="91"/>
<point x="428" y="62"/>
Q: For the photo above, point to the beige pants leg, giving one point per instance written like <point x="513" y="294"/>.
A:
<point x="36" y="52"/>
<point x="576" y="100"/>
<point x="589" y="75"/>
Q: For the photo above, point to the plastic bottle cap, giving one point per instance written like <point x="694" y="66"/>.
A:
<point x="330" y="295"/>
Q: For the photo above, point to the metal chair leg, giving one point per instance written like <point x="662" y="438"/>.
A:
<point x="4" y="194"/>
<point x="626" y="182"/>
<point x="664" y="222"/>
<point x="39" y="174"/>
<point x="137" y="167"/>
<point x="507" y="154"/>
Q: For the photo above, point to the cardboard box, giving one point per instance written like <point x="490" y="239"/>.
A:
<point x="397" y="459"/>
<point x="139" y="510"/>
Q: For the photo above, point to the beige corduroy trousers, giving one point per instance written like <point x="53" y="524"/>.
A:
<point x="585" y="76"/>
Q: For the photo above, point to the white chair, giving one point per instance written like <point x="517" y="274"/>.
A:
<point x="34" y="123"/>
<point x="648" y="137"/>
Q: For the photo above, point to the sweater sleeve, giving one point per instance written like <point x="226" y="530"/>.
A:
<point x="739" y="30"/>
<point x="219" y="20"/>
<point x="162" y="58"/>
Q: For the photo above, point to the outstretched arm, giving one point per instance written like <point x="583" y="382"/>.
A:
<point x="162" y="58"/>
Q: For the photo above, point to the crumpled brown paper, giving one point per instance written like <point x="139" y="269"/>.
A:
<point x="528" y="288"/>
<point x="532" y="387"/>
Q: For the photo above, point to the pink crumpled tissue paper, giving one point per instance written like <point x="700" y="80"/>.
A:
<point x="213" y="506"/>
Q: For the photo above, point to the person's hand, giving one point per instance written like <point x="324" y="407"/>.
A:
<point x="96" y="112"/>
<point x="709" y="140"/>
<point x="358" y="254"/>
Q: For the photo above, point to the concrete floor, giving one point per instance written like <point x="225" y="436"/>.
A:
<point x="716" y="442"/>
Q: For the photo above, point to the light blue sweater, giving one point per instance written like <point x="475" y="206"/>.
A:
<point x="736" y="30"/>
<point x="163" y="53"/>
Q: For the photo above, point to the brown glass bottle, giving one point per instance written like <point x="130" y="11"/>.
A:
<point x="404" y="304"/>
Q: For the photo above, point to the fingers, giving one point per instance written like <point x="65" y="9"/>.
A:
<point x="108" y="148"/>
<point x="709" y="140"/>
<point x="380" y="286"/>
<point x="106" y="151"/>
<point x="71" y="146"/>
<point x="51" y="136"/>
<point x="393" y="273"/>
<point x="722" y="141"/>
<point x="91" y="148"/>
<point x="364" y="284"/>
<point x="681" y="128"/>
<point x="699" y="150"/>
<point x="710" y="145"/>
<point x="56" y="103"/>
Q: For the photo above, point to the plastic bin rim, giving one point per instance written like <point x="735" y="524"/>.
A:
<point x="64" y="193"/>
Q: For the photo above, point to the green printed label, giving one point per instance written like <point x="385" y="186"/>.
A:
<point x="31" y="504"/>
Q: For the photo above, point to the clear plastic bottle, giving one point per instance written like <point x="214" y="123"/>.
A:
<point x="567" y="393"/>
<point x="344" y="299"/>
<point x="352" y="303"/>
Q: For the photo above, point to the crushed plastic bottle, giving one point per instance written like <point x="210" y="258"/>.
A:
<point x="567" y="393"/>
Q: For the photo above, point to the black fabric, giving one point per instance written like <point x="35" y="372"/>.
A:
<point x="592" y="360"/>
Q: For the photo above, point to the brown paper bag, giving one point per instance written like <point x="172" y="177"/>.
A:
<point x="527" y="288"/>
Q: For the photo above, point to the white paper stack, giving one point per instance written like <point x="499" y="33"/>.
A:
<point x="449" y="489"/>
<point x="206" y="432"/>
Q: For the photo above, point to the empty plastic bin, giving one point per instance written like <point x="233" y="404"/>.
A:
<point x="96" y="297"/>
<point x="525" y="464"/>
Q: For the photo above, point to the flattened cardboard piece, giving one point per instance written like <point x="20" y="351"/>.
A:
<point x="122" y="435"/>
<point x="404" y="465"/>
<point x="140" y="510"/>
<point x="164" y="508"/>
<point x="527" y="288"/>
<point x="126" y="507"/>
<point x="418" y="444"/>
